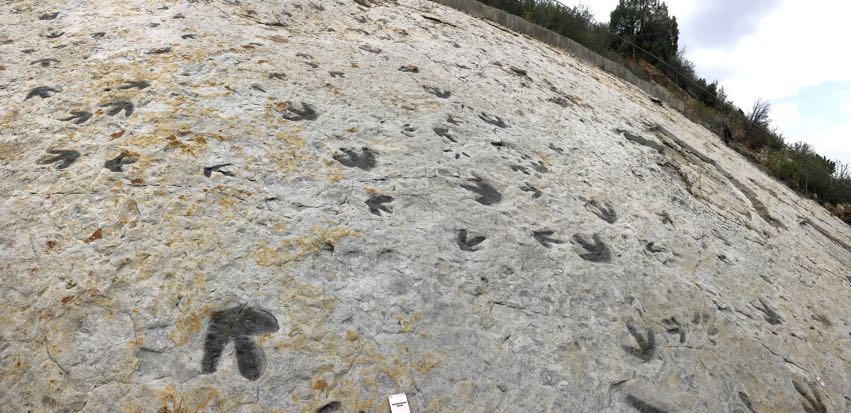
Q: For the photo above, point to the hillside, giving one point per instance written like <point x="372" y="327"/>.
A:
<point x="253" y="206"/>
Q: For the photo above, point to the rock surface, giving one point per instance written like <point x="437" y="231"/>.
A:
<point x="251" y="206"/>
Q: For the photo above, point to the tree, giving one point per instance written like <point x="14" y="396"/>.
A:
<point x="756" y="125"/>
<point x="647" y="25"/>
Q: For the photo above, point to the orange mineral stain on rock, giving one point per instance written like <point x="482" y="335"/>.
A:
<point x="185" y="326"/>
<point x="278" y="39"/>
<point x="291" y="157"/>
<point x="265" y="257"/>
<point x="191" y="401"/>
<point x="320" y="385"/>
<point x="406" y="324"/>
<point x="98" y="234"/>
<point x="427" y="363"/>
<point x="227" y="203"/>
<point x="8" y="151"/>
<point x="351" y="335"/>
<point x="296" y="249"/>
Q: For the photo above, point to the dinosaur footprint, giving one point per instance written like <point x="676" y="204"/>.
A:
<point x="138" y="84"/>
<point x="468" y="244"/>
<point x="80" y="116"/>
<point x="117" y="164"/>
<point x="208" y="170"/>
<point x="376" y="204"/>
<point x="351" y="159"/>
<point x="443" y="94"/>
<point x="444" y="133"/>
<point x="493" y="120"/>
<point x="812" y="404"/>
<point x="45" y="62"/>
<point x="545" y="238"/>
<point x="672" y="326"/>
<point x="306" y="112"/>
<point x="43" y="92"/>
<point x="605" y="212"/>
<point x="488" y="195"/>
<point x="769" y="314"/>
<point x="597" y="251"/>
<point x="536" y="193"/>
<point x="64" y="158"/>
<point x="646" y="347"/>
<point x="237" y="324"/>
<point x="117" y="106"/>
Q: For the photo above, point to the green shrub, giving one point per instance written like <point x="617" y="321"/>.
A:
<point x="783" y="168"/>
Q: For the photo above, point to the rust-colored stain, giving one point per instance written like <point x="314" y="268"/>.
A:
<point x="98" y="234"/>
<point x="117" y="134"/>
<point x="185" y="326"/>
<point x="320" y="385"/>
<point x="261" y="61"/>
<point x="137" y="181"/>
<point x="175" y="143"/>
<point x="278" y="39"/>
<point x="191" y="401"/>
<point x="67" y="299"/>
<point x="51" y="244"/>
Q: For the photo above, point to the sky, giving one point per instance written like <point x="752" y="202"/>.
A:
<point x="791" y="52"/>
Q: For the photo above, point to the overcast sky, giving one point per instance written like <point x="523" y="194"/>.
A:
<point x="792" y="52"/>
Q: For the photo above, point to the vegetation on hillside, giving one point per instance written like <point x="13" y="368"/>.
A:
<point x="642" y="31"/>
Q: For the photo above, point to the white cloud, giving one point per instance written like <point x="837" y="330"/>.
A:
<point x="785" y="115"/>
<point x="794" y="47"/>
<point x="834" y="142"/>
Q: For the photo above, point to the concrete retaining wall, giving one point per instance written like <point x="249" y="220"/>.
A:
<point x="517" y="24"/>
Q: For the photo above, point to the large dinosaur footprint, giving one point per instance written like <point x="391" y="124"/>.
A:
<point x="238" y="324"/>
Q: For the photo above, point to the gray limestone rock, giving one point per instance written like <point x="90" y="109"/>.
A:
<point x="329" y="240"/>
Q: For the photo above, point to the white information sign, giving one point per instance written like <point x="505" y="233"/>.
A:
<point x="399" y="403"/>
